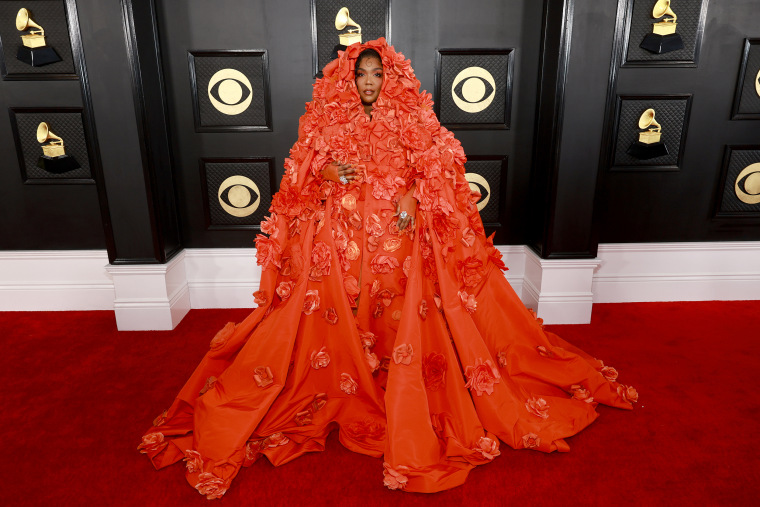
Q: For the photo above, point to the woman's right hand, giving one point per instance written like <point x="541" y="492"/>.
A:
<point x="335" y="170"/>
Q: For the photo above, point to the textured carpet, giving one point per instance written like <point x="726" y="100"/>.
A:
<point x="77" y="395"/>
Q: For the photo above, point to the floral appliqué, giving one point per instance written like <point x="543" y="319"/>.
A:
<point x="482" y="377"/>
<point x="403" y="354"/>
<point x="394" y="478"/>
<point x="320" y="359"/>
<point x="538" y="407"/>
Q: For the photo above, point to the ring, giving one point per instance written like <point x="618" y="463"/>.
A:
<point x="403" y="215"/>
<point x="343" y="180"/>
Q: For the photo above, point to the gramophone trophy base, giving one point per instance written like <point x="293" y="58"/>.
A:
<point x="660" y="44"/>
<point x="338" y="47"/>
<point x="37" y="57"/>
<point x="643" y="151"/>
<point x="58" y="165"/>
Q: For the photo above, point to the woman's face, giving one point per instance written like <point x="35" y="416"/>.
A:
<point x="369" y="79"/>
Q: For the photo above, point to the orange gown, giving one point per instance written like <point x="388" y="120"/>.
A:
<point x="412" y="343"/>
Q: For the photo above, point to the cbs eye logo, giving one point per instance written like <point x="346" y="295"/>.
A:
<point x="473" y="89"/>
<point x="230" y="92"/>
<point x="479" y="184"/>
<point x="747" y="186"/>
<point x="239" y="196"/>
<point x="757" y="83"/>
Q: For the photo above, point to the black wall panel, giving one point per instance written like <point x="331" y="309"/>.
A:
<point x="679" y="206"/>
<point x="283" y="29"/>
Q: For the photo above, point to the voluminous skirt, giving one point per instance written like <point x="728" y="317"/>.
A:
<point x="412" y="344"/>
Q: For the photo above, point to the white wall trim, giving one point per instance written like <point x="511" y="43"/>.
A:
<point x="150" y="296"/>
<point x="226" y="278"/>
<point x="55" y="280"/>
<point x="559" y="290"/>
<point x="638" y="272"/>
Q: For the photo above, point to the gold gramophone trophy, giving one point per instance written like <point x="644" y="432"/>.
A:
<point x="54" y="158"/>
<point x="34" y="51"/>
<point x="649" y="144"/>
<point x="663" y="38"/>
<point x="352" y="36"/>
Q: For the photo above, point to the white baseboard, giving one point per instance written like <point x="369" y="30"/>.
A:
<point x="158" y="296"/>
<point x="55" y="280"/>
<point x="150" y="297"/>
<point x="559" y="290"/>
<point x="638" y="272"/>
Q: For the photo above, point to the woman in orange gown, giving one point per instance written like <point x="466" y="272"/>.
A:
<point x="382" y="311"/>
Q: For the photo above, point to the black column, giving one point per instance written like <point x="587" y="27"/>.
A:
<point x="576" y="50"/>
<point x="132" y="130"/>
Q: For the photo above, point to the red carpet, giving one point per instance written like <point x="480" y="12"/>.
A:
<point x="78" y="395"/>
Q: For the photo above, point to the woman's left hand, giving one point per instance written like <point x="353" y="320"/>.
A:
<point x="407" y="204"/>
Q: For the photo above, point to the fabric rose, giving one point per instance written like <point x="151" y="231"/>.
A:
<point x="482" y="377"/>
<point x="468" y="237"/>
<point x="538" y="407"/>
<point x="378" y="311"/>
<point x="210" y="486"/>
<point x="375" y="288"/>
<point x="403" y="354"/>
<point x="252" y="451"/>
<point x="609" y="373"/>
<point x="276" y="440"/>
<point x="348" y="202"/>
<point x="383" y="264"/>
<point x="386" y="297"/>
<point x="352" y="289"/>
<point x="221" y="338"/>
<point x="311" y="302"/>
<point x="628" y="393"/>
<point x="468" y="301"/>
<point x="285" y="289"/>
<point x="320" y="359"/>
<point x="355" y="220"/>
<point x="260" y="297"/>
<point x="161" y="418"/>
<point x="494" y="255"/>
<point x="391" y="244"/>
<point x="501" y="358"/>
<point x="470" y="271"/>
<point x="368" y="340"/>
<point x="152" y="442"/>
<point x="581" y="393"/>
<point x="352" y="251"/>
<point x="531" y="441"/>
<point x="269" y="226"/>
<point x="373" y="226"/>
<point x="488" y="447"/>
<point x="331" y="316"/>
<point x="407" y="266"/>
<point x="366" y="429"/>
<point x="268" y="252"/>
<point x="263" y="376"/>
<point x="319" y="402"/>
<point x="535" y="316"/>
<point x="210" y="382"/>
<point x="347" y="384"/>
<point x="373" y="243"/>
<point x="320" y="258"/>
<point x="394" y="478"/>
<point x="372" y="360"/>
<point x="423" y="308"/>
<point x="193" y="461"/>
<point x="303" y="418"/>
<point x="434" y="368"/>
<point x="543" y="351"/>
